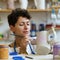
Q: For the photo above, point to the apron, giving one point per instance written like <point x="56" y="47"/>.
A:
<point x="30" y="46"/>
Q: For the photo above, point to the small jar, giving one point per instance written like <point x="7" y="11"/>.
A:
<point x="56" y="51"/>
<point x="4" y="53"/>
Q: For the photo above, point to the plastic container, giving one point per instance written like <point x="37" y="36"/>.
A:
<point x="53" y="17"/>
<point x="56" y="51"/>
<point x="33" y="29"/>
<point x="41" y="27"/>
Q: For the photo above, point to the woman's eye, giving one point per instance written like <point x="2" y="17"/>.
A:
<point x="28" y="23"/>
<point x="21" y="24"/>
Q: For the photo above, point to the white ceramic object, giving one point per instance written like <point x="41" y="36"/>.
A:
<point x="42" y="46"/>
<point x="10" y="4"/>
<point x="40" y="4"/>
<point x="23" y="4"/>
<point x="42" y="37"/>
<point x="43" y="49"/>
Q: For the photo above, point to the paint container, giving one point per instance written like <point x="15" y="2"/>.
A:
<point x="4" y="53"/>
<point x="56" y="51"/>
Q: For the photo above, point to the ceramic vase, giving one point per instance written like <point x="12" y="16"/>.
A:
<point x="23" y="4"/>
<point x="10" y="4"/>
<point x="40" y="4"/>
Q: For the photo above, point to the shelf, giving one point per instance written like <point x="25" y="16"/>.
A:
<point x="56" y="7"/>
<point x="30" y="10"/>
<point x="48" y="27"/>
<point x="5" y="10"/>
<point x="39" y="10"/>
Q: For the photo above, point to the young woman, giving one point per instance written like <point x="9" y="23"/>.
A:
<point x="19" y="23"/>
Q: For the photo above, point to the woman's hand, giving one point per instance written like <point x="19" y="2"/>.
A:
<point x="22" y="43"/>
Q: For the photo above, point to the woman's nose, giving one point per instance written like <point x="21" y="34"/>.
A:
<point x="26" y="27"/>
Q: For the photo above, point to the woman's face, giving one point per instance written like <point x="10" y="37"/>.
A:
<point x="22" y="27"/>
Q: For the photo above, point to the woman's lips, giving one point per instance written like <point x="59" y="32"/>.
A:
<point x="26" y="32"/>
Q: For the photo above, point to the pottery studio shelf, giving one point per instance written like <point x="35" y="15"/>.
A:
<point x="30" y="10"/>
<point x="48" y="27"/>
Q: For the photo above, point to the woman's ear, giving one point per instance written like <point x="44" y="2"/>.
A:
<point x="12" y="28"/>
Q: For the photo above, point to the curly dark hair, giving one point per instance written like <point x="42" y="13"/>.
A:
<point x="15" y="14"/>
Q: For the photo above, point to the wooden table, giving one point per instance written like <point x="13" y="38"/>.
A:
<point x="35" y="57"/>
